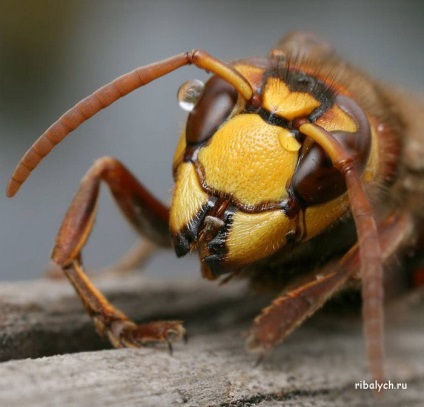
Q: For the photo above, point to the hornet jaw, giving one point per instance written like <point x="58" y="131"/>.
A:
<point x="207" y="232"/>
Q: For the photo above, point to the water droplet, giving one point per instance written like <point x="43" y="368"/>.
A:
<point x="189" y="94"/>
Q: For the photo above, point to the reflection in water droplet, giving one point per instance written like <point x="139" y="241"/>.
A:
<point x="189" y="94"/>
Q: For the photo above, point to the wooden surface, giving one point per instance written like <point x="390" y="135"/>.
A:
<point x="70" y="366"/>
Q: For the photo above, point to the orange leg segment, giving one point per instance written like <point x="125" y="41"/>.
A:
<point x="301" y="299"/>
<point x="147" y="215"/>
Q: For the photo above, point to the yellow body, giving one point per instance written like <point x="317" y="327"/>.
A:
<point x="246" y="160"/>
<point x="289" y="105"/>
<point x="249" y="163"/>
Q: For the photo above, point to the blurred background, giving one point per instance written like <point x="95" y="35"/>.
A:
<point x="54" y="53"/>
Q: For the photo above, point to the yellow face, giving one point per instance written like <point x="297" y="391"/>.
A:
<point x="250" y="185"/>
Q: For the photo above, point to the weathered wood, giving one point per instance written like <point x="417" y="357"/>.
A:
<point x="318" y="365"/>
<point x="45" y="317"/>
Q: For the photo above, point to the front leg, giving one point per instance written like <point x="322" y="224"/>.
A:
<point x="150" y="219"/>
<point x="305" y="296"/>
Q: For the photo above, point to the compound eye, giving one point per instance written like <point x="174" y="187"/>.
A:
<point x="211" y="110"/>
<point x="316" y="180"/>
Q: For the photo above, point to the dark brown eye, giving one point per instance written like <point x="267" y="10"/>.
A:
<point x="214" y="106"/>
<point x="316" y="180"/>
